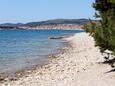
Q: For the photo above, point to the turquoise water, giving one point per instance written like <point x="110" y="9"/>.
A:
<point x="23" y="48"/>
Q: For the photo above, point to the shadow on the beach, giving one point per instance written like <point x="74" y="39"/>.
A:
<point x="113" y="70"/>
<point x="110" y="62"/>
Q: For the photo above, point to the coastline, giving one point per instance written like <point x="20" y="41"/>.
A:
<point x="76" y="66"/>
<point x="40" y="62"/>
<point x="13" y="74"/>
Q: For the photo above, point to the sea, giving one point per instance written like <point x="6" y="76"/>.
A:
<point x="21" y="49"/>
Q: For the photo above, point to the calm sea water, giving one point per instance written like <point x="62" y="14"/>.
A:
<point x="23" y="48"/>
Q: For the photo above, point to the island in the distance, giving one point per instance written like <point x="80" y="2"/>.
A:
<point x="49" y="24"/>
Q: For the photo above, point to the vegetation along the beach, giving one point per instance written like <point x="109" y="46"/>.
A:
<point x="103" y="31"/>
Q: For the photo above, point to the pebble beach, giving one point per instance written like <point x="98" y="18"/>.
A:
<point x="78" y="65"/>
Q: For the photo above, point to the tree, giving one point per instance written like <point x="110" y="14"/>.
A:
<point x="105" y="31"/>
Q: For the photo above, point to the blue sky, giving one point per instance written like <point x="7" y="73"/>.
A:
<point x="15" y="11"/>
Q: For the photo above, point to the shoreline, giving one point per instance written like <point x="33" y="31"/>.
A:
<point x="76" y="66"/>
<point x="45" y="60"/>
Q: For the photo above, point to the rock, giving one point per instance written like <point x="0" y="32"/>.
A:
<point x="56" y="37"/>
<point x="2" y="78"/>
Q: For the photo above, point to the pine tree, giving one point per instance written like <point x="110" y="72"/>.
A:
<point x="105" y="31"/>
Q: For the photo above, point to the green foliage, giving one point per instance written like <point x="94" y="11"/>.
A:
<point x="105" y="32"/>
<point x="90" y="27"/>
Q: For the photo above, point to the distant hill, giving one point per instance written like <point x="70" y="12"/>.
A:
<point x="58" y="21"/>
<point x="11" y="24"/>
<point x="50" y="22"/>
<point x="55" y="23"/>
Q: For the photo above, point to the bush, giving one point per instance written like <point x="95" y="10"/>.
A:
<point x="90" y="27"/>
<point x="105" y="32"/>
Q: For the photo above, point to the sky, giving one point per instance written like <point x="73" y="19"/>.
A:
<point x="17" y="11"/>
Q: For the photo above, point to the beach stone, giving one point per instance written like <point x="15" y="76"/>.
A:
<point x="13" y="78"/>
<point x="1" y="78"/>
